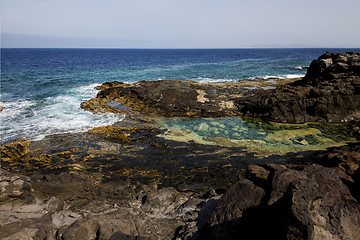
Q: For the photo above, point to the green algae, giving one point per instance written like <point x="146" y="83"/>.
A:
<point x="263" y="138"/>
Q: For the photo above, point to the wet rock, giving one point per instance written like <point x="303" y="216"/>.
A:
<point x="203" y="127"/>
<point x="15" y="150"/>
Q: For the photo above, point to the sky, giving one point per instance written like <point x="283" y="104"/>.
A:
<point x="180" y="23"/>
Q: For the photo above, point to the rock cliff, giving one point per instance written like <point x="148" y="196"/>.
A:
<point x="330" y="92"/>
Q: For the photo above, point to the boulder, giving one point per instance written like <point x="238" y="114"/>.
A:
<point x="313" y="203"/>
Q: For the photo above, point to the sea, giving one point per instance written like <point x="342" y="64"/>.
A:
<point x="42" y="89"/>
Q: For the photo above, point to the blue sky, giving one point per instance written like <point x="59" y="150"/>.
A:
<point x="180" y="23"/>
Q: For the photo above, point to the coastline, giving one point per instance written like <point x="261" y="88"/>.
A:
<point x="89" y="183"/>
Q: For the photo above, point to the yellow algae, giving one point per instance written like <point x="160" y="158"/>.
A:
<point x="182" y="135"/>
<point x="286" y="136"/>
<point x="15" y="150"/>
<point x="259" y="138"/>
<point x="77" y="167"/>
<point x="113" y="133"/>
<point x="226" y="166"/>
<point x="135" y="172"/>
<point x="201" y="170"/>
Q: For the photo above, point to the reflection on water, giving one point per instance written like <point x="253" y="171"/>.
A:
<point x="261" y="137"/>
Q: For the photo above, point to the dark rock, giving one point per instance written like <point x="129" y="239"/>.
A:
<point x="232" y="206"/>
<point x="257" y="174"/>
<point x="85" y="229"/>
<point x="14" y="188"/>
<point x="121" y="236"/>
<point x="314" y="203"/>
<point x="330" y="92"/>
<point x="152" y="97"/>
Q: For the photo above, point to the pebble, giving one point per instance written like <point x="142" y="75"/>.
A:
<point x="203" y="127"/>
<point x="213" y="129"/>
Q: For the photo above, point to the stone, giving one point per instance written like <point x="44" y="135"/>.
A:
<point x="257" y="174"/>
<point x="313" y="203"/>
<point x="187" y="98"/>
<point x="236" y="135"/>
<point x="82" y="229"/>
<point x="328" y="93"/>
<point x="213" y="129"/>
<point x="242" y="196"/>
<point x="15" y="150"/>
<point x="203" y="127"/>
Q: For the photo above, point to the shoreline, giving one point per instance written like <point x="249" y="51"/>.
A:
<point x="244" y="83"/>
<point x="129" y="180"/>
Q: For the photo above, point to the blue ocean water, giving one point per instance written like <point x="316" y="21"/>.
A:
<point x="41" y="89"/>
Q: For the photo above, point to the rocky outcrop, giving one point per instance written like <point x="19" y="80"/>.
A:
<point x="85" y="206"/>
<point x="281" y="203"/>
<point x="332" y="65"/>
<point x="272" y="202"/>
<point x="163" y="98"/>
<point x="330" y="92"/>
<point x="171" y="98"/>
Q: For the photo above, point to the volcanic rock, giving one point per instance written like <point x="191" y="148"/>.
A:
<point x="314" y="203"/>
<point x="330" y="92"/>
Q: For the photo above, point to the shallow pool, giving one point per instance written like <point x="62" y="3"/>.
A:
<point x="258" y="136"/>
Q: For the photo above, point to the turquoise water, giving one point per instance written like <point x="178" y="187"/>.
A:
<point x="262" y="137"/>
<point x="42" y="89"/>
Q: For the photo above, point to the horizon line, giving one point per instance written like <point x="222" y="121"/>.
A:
<point x="179" y="48"/>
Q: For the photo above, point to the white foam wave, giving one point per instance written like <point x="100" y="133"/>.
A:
<point x="283" y="76"/>
<point x="212" y="80"/>
<point x="61" y="114"/>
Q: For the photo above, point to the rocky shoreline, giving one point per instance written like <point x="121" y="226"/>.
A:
<point x="129" y="181"/>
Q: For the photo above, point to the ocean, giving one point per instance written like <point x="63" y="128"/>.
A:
<point x="42" y="89"/>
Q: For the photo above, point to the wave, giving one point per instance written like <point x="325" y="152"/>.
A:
<point x="212" y="80"/>
<point x="282" y="76"/>
<point x="33" y="119"/>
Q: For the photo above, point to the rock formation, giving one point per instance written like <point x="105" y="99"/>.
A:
<point x="330" y="92"/>
<point x="173" y="98"/>
<point x="280" y="203"/>
<point x="71" y="194"/>
<point x="80" y="206"/>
